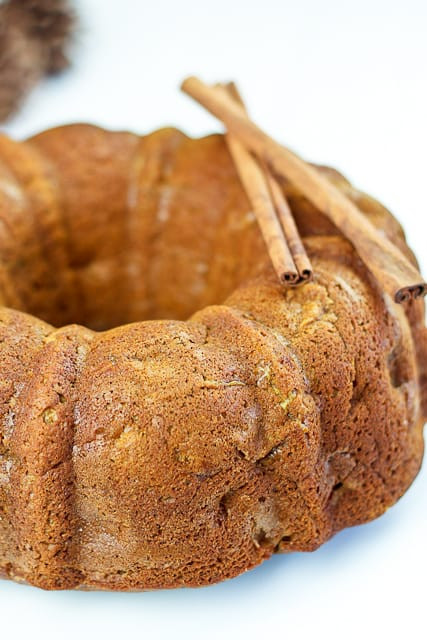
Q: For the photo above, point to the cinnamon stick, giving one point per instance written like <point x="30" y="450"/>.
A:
<point x="286" y="219"/>
<point x="390" y="267"/>
<point x="257" y="190"/>
<point x="301" y="259"/>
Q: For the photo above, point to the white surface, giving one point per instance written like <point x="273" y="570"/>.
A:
<point x="343" y="82"/>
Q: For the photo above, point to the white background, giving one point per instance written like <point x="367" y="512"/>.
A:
<point x="343" y="82"/>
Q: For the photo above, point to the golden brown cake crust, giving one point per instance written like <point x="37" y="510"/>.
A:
<point x="230" y="420"/>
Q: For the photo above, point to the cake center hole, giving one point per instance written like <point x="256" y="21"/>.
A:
<point x="167" y="282"/>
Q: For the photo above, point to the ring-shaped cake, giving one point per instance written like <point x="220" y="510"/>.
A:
<point x="189" y="417"/>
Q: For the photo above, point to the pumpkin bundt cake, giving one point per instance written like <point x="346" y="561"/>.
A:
<point x="169" y="414"/>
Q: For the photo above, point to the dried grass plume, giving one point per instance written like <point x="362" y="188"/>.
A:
<point x="34" y="35"/>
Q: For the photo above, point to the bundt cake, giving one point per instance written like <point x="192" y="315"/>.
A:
<point x="169" y="414"/>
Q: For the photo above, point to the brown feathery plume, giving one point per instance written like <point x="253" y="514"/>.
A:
<point x="34" y="35"/>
